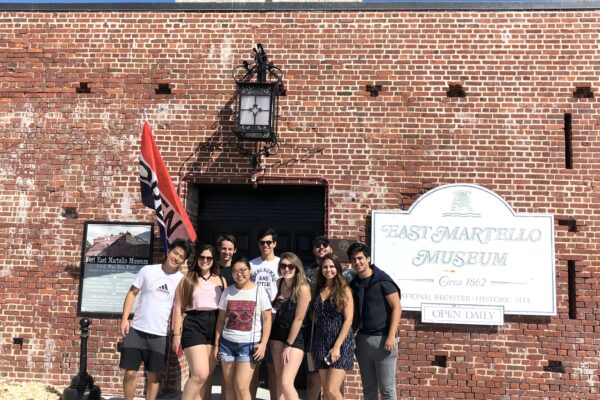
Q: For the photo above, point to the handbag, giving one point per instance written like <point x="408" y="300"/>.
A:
<point x="310" y="361"/>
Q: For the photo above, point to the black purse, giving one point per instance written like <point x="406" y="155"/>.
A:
<point x="310" y="361"/>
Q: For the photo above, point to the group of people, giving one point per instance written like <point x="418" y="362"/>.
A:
<point x="242" y="312"/>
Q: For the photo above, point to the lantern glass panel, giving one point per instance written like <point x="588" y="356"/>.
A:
<point x="247" y="101"/>
<point x="255" y="110"/>
<point x="264" y="103"/>
<point x="246" y="117"/>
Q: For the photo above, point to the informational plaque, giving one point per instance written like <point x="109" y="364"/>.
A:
<point x="112" y="254"/>
<point x="463" y="245"/>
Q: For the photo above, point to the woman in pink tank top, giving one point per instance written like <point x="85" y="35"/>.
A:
<point x="197" y="297"/>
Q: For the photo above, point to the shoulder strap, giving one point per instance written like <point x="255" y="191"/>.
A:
<point x="312" y="330"/>
<point x="254" y="315"/>
<point x="279" y="288"/>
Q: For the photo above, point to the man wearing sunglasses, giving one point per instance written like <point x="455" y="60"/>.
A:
<point x="321" y="246"/>
<point x="264" y="273"/>
<point x="264" y="267"/>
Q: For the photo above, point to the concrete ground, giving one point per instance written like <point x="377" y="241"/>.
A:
<point x="263" y="394"/>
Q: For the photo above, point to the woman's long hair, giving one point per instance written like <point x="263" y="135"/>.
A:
<point x="190" y="280"/>
<point x="299" y="277"/>
<point x="338" y="292"/>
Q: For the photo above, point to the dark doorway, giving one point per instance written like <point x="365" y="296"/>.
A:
<point x="296" y="212"/>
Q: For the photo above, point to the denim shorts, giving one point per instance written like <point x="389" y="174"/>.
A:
<point x="231" y="351"/>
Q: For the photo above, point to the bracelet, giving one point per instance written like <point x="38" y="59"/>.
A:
<point x="289" y="345"/>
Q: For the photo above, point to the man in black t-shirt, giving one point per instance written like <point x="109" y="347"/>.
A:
<point x="322" y="246"/>
<point x="227" y="246"/>
<point x="378" y="309"/>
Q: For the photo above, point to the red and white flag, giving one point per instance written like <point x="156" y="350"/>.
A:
<point x="159" y="194"/>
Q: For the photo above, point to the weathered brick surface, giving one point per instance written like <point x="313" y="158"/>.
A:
<point x="60" y="149"/>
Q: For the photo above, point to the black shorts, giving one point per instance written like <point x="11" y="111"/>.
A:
<point x="281" y="334"/>
<point x="143" y="347"/>
<point x="198" y="328"/>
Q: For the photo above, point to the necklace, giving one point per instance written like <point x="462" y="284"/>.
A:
<point x="207" y="278"/>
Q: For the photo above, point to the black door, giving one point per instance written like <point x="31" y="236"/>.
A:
<point x="296" y="212"/>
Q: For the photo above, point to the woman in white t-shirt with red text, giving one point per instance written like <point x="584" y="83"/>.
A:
<point x="198" y="296"/>
<point x="243" y="329"/>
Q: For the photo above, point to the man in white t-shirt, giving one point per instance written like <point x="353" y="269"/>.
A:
<point x="264" y="273"/>
<point x="145" y="337"/>
<point x="264" y="267"/>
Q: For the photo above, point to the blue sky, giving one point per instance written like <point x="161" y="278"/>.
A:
<point x="441" y="1"/>
<point x="200" y="1"/>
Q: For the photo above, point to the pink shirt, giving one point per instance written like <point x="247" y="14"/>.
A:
<point x="206" y="296"/>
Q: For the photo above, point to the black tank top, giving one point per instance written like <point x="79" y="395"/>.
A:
<point x="285" y="310"/>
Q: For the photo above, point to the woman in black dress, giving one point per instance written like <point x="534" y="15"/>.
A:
<point x="287" y="338"/>
<point x="333" y="340"/>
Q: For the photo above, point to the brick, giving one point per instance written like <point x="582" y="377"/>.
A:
<point x="61" y="149"/>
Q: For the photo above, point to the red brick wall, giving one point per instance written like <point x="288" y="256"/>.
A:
<point x="61" y="149"/>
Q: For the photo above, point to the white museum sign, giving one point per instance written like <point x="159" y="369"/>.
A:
<point x="462" y="244"/>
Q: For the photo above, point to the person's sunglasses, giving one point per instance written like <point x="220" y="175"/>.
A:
<point x="265" y="242"/>
<point x="322" y="244"/>
<point x="204" y="258"/>
<point x="288" y="267"/>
